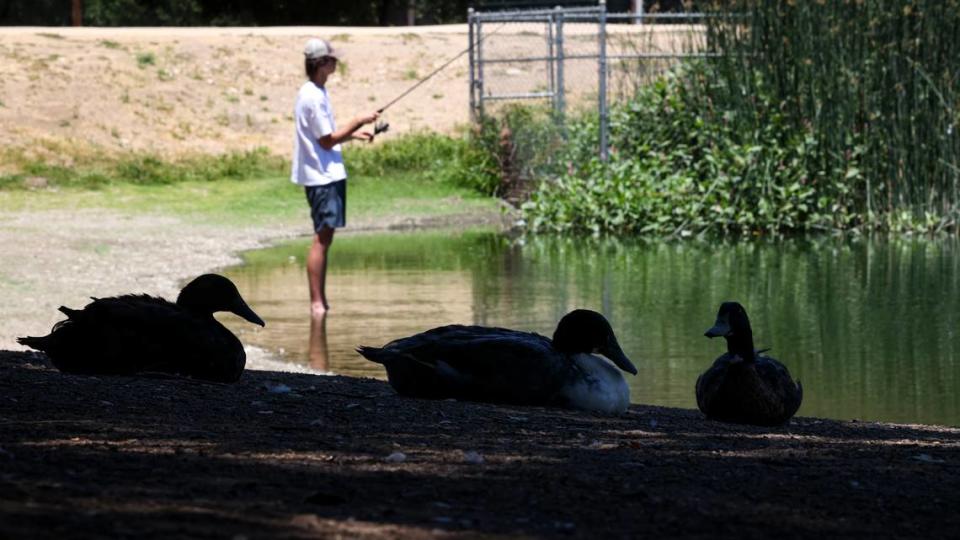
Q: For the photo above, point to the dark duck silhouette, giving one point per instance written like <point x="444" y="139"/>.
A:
<point x="135" y="333"/>
<point x="499" y="365"/>
<point x="743" y="386"/>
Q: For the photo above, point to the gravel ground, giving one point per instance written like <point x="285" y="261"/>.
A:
<point x="283" y="455"/>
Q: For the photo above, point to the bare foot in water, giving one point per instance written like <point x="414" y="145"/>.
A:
<point x="319" y="309"/>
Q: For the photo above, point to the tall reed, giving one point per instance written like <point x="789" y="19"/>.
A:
<point x="874" y="82"/>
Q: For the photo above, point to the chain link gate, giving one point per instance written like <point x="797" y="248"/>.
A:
<point x="566" y="56"/>
<point x="570" y="41"/>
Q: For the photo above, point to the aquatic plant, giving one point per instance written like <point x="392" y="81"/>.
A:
<point x="873" y="81"/>
<point x="825" y="115"/>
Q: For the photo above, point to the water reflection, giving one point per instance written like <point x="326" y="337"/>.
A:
<point x="869" y="326"/>
<point x="317" y="350"/>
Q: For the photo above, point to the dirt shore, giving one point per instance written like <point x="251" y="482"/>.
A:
<point x="49" y="258"/>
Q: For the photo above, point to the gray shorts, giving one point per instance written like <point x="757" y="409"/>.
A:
<point x="328" y="205"/>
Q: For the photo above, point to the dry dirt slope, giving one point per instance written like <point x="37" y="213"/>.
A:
<point x="217" y="89"/>
<point x="213" y="89"/>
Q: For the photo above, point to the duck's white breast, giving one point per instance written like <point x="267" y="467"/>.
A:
<point x="598" y="386"/>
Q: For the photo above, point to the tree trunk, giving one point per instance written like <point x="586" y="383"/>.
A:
<point x="76" y="14"/>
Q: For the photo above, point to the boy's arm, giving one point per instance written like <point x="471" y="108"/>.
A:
<point x="347" y="132"/>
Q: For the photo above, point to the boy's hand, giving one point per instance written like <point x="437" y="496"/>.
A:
<point x="368" y="118"/>
<point x="363" y="136"/>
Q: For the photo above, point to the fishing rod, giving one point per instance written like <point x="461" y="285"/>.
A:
<point x="383" y="126"/>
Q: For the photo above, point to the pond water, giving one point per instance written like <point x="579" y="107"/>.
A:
<point x="869" y="326"/>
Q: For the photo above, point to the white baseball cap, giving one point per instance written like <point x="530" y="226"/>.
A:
<point x="319" y="48"/>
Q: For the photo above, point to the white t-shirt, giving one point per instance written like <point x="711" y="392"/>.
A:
<point x="312" y="165"/>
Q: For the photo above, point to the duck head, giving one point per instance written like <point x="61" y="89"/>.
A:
<point x="733" y="324"/>
<point x="210" y="293"/>
<point x="585" y="331"/>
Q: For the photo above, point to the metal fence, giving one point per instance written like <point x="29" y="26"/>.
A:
<point x="574" y="58"/>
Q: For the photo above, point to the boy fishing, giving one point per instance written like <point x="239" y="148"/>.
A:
<point x="318" y="162"/>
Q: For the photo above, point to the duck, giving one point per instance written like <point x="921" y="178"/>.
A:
<point x="512" y="367"/>
<point x="136" y="333"/>
<point x="743" y="386"/>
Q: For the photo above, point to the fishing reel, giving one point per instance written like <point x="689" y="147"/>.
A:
<point x="378" y="128"/>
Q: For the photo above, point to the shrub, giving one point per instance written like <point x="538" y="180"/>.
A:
<point x="678" y="167"/>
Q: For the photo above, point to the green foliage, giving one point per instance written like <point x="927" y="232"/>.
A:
<point x="517" y="141"/>
<point x="435" y="158"/>
<point x="876" y="84"/>
<point x="785" y="129"/>
<point x="145" y="59"/>
<point x="150" y="170"/>
<point x="473" y="166"/>
<point x="414" y="152"/>
<point x="142" y="169"/>
<point x="678" y="168"/>
<point x="140" y="13"/>
<point x="34" y="13"/>
<point x="536" y="137"/>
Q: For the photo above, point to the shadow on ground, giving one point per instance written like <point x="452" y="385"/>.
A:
<point x="283" y="455"/>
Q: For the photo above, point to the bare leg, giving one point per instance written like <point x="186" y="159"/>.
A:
<point x="317" y="271"/>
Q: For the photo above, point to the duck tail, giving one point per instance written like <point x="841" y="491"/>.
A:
<point x="376" y="354"/>
<point x="70" y="313"/>
<point x="409" y="375"/>
<point x="34" y="342"/>
<point x="49" y="341"/>
<point x="390" y="358"/>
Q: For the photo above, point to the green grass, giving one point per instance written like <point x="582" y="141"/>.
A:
<point x="410" y="194"/>
<point x="95" y="170"/>
<point x="146" y="59"/>
<point x="410" y="176"/>
<point x="260" y="200"/>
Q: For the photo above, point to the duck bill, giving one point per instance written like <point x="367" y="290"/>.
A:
<point x="721" y="328"/>
<point x="243" y="310"/>
<point x="613" y="351"/>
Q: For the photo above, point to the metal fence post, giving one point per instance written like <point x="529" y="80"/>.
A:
<point x="551" y="80"/>
<point x="473" y="98"/>
<point x="613" y="59"/>
<point x="638" y="11"/>
<point x="602" y="81"/>
<point x="478" y="83"/>
<point x="560" y="105"/>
